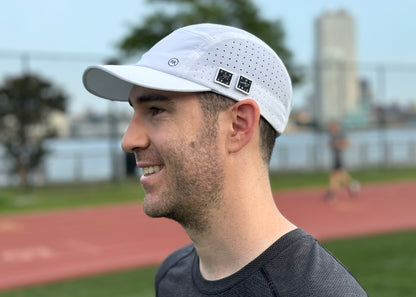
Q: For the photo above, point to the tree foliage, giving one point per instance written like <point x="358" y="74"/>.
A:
<point x="174" y="14"/>
<point x="26" y="104"/>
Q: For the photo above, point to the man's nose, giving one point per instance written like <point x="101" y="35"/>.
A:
<point x="135" y="136"/>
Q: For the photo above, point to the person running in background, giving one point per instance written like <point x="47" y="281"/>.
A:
<point x="339" y="177"/>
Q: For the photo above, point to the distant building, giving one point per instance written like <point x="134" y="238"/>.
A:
<point x="336" y="87"/>
<point x="90" y="125"/>
<point x="57" y="120"/>
<point x="60" y="121"/>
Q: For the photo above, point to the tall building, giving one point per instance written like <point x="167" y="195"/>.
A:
<point x="336" y="85"/>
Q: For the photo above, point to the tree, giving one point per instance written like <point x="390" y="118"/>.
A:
<point x="238" y="13"/>
<point x="26" y="104"/>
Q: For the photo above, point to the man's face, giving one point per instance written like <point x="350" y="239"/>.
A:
<point x="178" y="153"/>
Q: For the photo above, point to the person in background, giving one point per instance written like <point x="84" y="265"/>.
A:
<point x="209" y="101"/>
<point x="339" y="178"/>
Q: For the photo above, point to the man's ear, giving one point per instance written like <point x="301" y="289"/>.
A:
<point x="245" y="120"/>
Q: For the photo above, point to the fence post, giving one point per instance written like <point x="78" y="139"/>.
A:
<point x="78" y="167"/>
<point x="412" y="152"/>
<point x="363" y="159"/>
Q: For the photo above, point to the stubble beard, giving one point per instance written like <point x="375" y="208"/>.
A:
<point x="194" y="184"/>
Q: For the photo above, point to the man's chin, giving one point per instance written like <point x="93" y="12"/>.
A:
<point x="153" y="209"/>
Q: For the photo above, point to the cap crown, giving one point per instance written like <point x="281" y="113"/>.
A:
<point x="200" y="58"/>
<point x="229" y="61"/>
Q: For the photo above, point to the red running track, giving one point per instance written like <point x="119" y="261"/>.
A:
<point x="46" y="247"/>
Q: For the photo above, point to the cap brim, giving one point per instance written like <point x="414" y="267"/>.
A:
<point x="114" y="82"/>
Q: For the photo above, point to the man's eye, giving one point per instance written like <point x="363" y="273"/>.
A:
<point x="155" y="110"/>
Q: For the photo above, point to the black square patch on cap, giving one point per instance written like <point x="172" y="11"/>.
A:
<point x="244" y="84"/>
<point x="224" y="77"/>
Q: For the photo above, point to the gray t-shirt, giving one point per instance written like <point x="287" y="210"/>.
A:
<point x="295" y="265"/>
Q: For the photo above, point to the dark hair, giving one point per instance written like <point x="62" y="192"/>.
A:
<point x="212" y="103"/>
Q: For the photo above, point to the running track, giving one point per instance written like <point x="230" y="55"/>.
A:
<point x="46" y="247"/>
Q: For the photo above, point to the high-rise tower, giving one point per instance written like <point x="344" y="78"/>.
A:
<point x="335" y="77"/>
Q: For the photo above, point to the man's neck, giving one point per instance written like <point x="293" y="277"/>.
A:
<point x="241" y="230"/>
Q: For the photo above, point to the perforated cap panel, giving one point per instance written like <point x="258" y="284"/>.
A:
<point x="226" y="60"/>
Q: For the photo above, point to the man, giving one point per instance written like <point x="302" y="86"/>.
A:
<point x="339" y="177"/>
<point x="209" y="101"/>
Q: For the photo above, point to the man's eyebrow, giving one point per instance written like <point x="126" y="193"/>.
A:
<point x="151" y="98"/>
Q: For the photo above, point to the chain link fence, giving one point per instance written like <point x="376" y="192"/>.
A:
<point x="381" y="124"/>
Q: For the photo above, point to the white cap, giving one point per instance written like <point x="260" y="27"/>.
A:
<point x="200" y="58"/>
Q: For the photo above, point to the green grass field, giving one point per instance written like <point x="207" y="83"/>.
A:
<point x="64" y="196"/>
<point x="385" y="265"/>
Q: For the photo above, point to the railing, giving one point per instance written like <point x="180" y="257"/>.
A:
<point x="383" y="85"/>
<point x="293" y="152"/>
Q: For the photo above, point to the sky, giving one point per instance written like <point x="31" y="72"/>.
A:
<point x="89" y="30"/>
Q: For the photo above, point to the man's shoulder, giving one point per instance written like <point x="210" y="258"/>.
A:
<point x="183" y="254"/>
<point x="306" y="262"/>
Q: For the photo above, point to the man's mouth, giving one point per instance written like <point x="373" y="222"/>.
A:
<point x="151" y="170"/>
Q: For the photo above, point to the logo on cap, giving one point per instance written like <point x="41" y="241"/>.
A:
<point x="173" y="62"/>
<point x="223" y="77"/>
<point x="243" y="84"/>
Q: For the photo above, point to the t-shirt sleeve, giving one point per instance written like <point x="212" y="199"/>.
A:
<point x="170" y="262"/>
